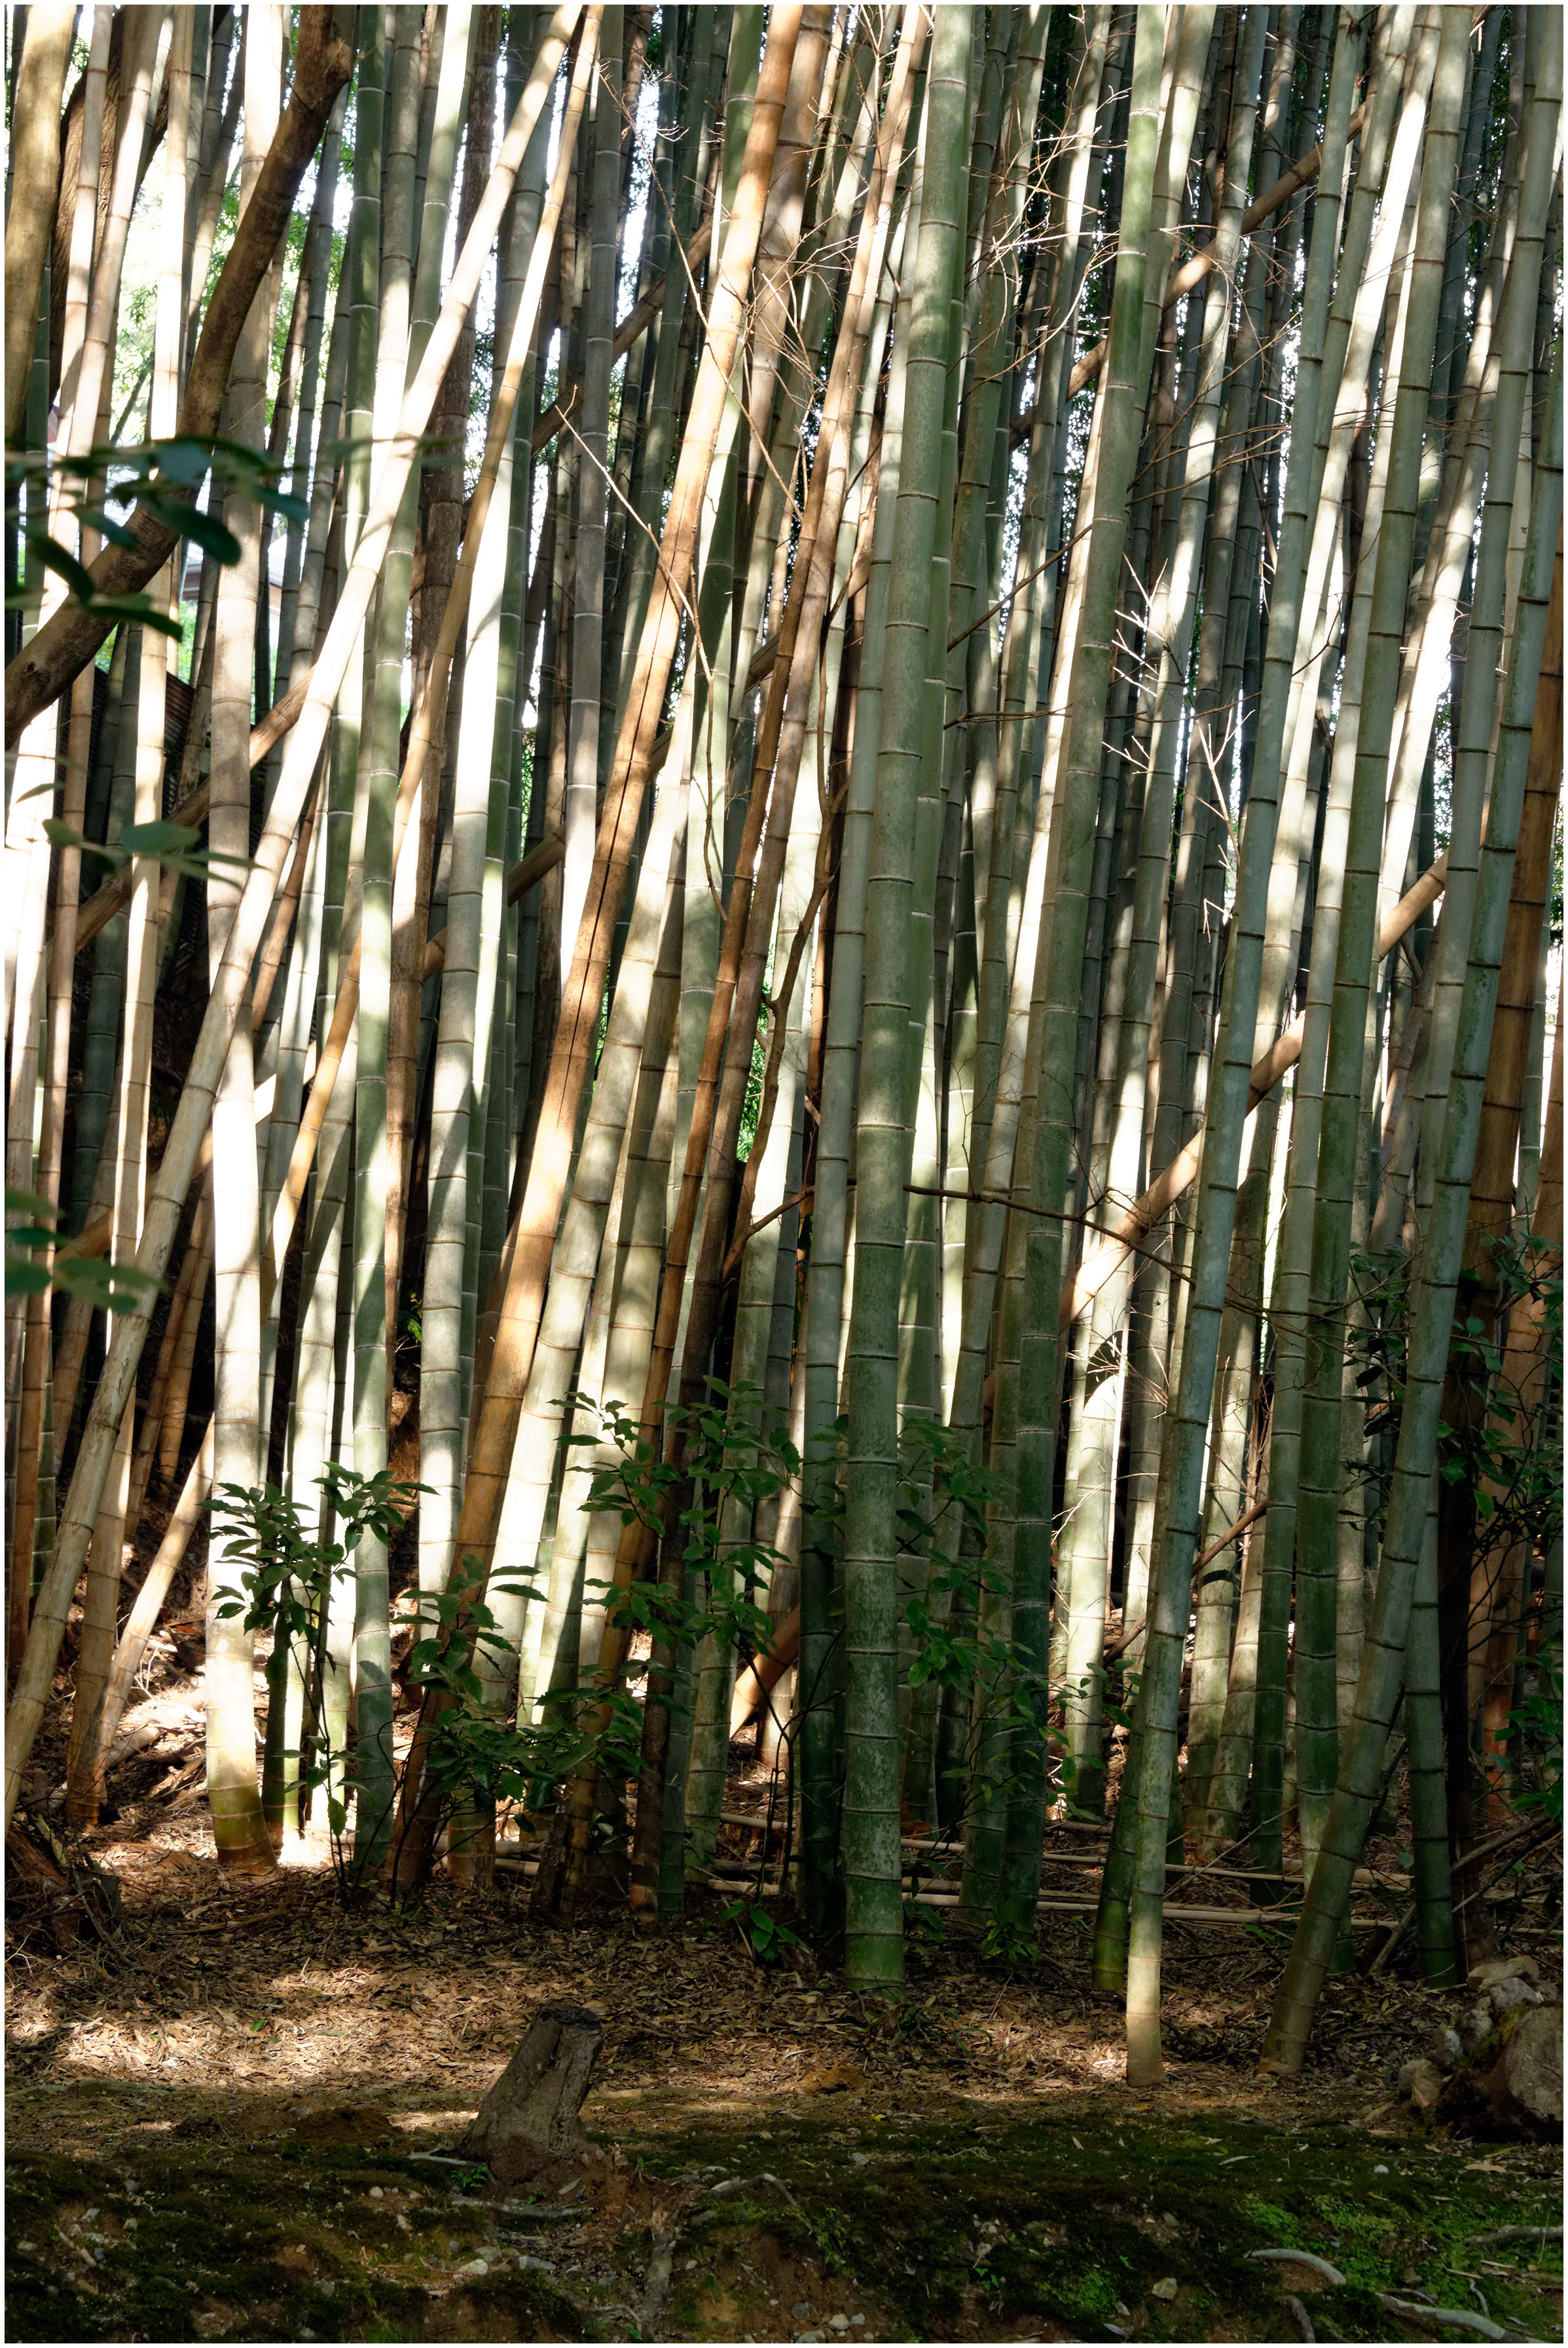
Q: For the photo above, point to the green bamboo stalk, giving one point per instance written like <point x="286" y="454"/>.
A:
<point x="1028" y="1361"/>
<point x="1411" y="367"/>
<point x="1502" y="508"/>
<point x="1437" y="1277"/>
<point x="1353" y="329"/>
<point x="376" y="793"/>
<point x="238" y="1827"/>
<point x="875" y="1942"/>
<point x="822" y="1657"/>
<point x="1182" y="1459"/>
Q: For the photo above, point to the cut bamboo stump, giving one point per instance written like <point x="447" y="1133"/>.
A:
<point x="530" y="2121"/>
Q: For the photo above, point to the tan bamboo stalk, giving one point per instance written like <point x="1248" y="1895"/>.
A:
<point x="84" y="1775"/>
<point x="231" y="987"/>
<point x="531" y="1237"/>
<point x="526" y="1262"/>
<point x="27" y="844"/>
<point x="233" y="1792"/>
<point x="69" y="641"/>
<point x="412" y="877"/>
<point x="212" y="184"/>
<point x="67" y="877"/>
<point x="35" y="179"/>
<point x="185" y="1302"/>
<point x="727" y="1054"/>
<point x="456" y="1072"/>
<point x="580" y="1243"/>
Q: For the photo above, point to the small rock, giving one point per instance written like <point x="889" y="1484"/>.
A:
<point x="403" y="2225"/>
<point x="1167" y="2289"/>
<point x="376" y="2193"/>
<point x="838" y="2322"/>
<point x="1474" y="2025"/>
<point x="1381" y="2170"/>
<point x="802" y="2310"/>
<point x="540" y="2266"/>
<point x="811" y="2335"/>
<point x="1444" y="2048"/>
<point x="1500" y="1969"/>
<point x="1421" y="2083"/>
<point x="471" y="2271"/>
<point x="1122" y="2308"/>
<point x="859" y="2159"/>
<point x="1503" y="1996"/>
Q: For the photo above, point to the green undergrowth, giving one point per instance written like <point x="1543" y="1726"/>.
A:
<point x="1075" y="2223"/>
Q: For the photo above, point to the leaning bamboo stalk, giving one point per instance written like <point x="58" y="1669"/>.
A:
<point x="1268" y="1070"/>
<point x="724" y="1072"/>
<point x="1497" y="1578"/>
<point x="1191" y="273"/>
<point x="580" y="1243"/>
<point x="142" y="1620"/>
<point x="184" y="1306"/>
<point x="525" y="1265"/>
<point x="61" y="649"/>
<point x="532" y="1233"/>
<point x="1502" y="515"/>
<point x="232" y="985"/>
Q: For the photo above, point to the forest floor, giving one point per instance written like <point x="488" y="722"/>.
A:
<point x="221" y="2110"/>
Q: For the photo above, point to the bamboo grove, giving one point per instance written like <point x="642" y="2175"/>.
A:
<point x="782" y="937"/>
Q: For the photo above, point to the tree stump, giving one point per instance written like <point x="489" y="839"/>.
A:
<point x="530" y="2120"/>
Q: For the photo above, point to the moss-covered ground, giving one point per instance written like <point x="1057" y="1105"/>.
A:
<point x="1092" y="2219"/>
